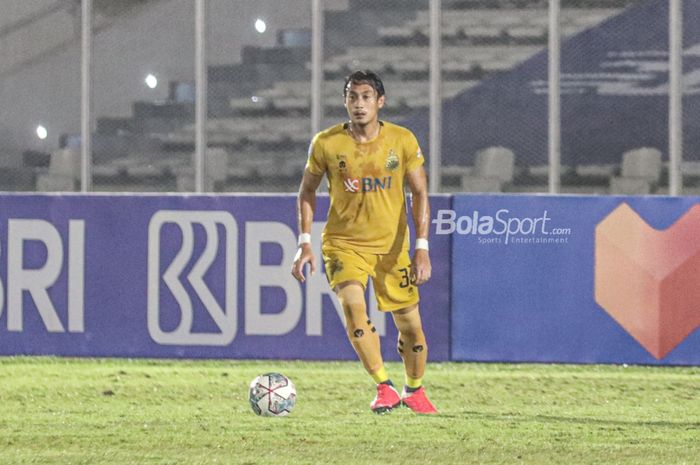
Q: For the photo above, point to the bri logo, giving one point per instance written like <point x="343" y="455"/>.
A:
<point x="222" y="308"/>
<point x="647" y="279"/>
<point x="368" y="184"/>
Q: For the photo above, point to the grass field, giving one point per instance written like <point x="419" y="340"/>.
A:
<point x="118" y="411"/>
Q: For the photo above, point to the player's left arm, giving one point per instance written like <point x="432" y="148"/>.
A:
<point x="418" y="183"/>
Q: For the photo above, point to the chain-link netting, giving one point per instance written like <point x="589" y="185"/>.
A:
<point x="690" y="164"/>
<point x="614" y="125"/>
<point x="494" y="130"/>
<point x="143" y="95"/>
<point x="259" y="93"/>
<point x="39" y="95"/>
<point x="366" y="36"/>
<point x="614" y="91"/>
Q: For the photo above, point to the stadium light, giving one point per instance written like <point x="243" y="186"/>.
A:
<point x="41" y="132"/>
<point x="260" y="25"/>
<point x="151" y="81"/>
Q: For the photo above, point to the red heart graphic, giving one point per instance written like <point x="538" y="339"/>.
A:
<point x="649" y="280"/>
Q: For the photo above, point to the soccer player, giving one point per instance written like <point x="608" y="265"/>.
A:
<point x="367" y="162"/>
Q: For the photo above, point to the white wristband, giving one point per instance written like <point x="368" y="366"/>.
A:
<point x="422" y="244"/>
<point x="304" y="238"/>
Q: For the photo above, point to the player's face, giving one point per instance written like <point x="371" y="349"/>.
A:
<point x="362" y="103"/>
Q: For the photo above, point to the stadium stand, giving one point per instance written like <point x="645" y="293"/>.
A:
<point x="259" y="125"/>
<point x="482" y="26"/>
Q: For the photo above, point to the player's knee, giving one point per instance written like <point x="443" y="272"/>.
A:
<point x="354" y="312"/>
<point x="353" y="309"/>
<point x="413" y="333"/>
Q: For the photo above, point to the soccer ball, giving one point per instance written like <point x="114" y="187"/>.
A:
<point x="272" y="395"/>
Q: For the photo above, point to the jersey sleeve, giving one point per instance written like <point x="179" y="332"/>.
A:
<point x="412" y="153"/>
<point x="316" y="163"/>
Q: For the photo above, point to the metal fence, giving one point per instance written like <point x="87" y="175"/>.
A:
<point x="571" y="96"/>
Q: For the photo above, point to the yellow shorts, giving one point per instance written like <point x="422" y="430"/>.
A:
<point x="391" y="275"/>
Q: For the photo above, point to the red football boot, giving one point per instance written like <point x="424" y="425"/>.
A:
<point x="387" y="398"/>
<point x="418" y="402"/>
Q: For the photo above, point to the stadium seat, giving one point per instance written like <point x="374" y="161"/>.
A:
<point x="494" y="167"/>
<point x="455" y="172"/>
<point x="479" y="184"/>
<point x="629" y="186"/>
<point x="453" y="66"/>
<point x="217" y="164"/>
<point x="292" y="103"/>
<point x="63" y="173"/>
<point x="55" y="183"/>
<point x="144" y="171"/>
<point x="640" y="173"/>
<point x="65" y="162"/>
<point x="642" y="163"/>
<point x="477" y="17"/>
<point x="248" y="103"/>
<point x="606" y="170"/>
<point x="489" y="32"/>
<point x="216" y="169"/>
<point x="106" y="171"/>
<point x="527" y="32"/>
<point x="415" y="59"/>
<point x="396" y="33"/>
<point x="691" y="168"/>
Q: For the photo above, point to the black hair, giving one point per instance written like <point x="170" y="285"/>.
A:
<point x="364" y="77"/>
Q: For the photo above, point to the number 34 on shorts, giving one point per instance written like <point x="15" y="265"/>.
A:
<point x="390" y="273"/>
<point x="406" y="279"/>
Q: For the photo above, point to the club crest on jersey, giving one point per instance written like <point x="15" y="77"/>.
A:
<point x="342" y="164"/>
<point x="392" y="161"/>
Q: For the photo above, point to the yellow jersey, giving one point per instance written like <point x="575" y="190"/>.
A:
<point x="366" y="185"/>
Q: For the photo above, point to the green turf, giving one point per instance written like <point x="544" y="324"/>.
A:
<point x="66" y="411"/>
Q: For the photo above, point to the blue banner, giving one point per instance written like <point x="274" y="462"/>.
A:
<point x="515" y="278"/>
<point x="179" y="276"/>
<point x="574" y="279"/>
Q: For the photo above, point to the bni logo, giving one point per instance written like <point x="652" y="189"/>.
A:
<point x="179" y="273"/>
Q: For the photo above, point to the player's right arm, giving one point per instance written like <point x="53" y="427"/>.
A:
<point x="306" y="204"/>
